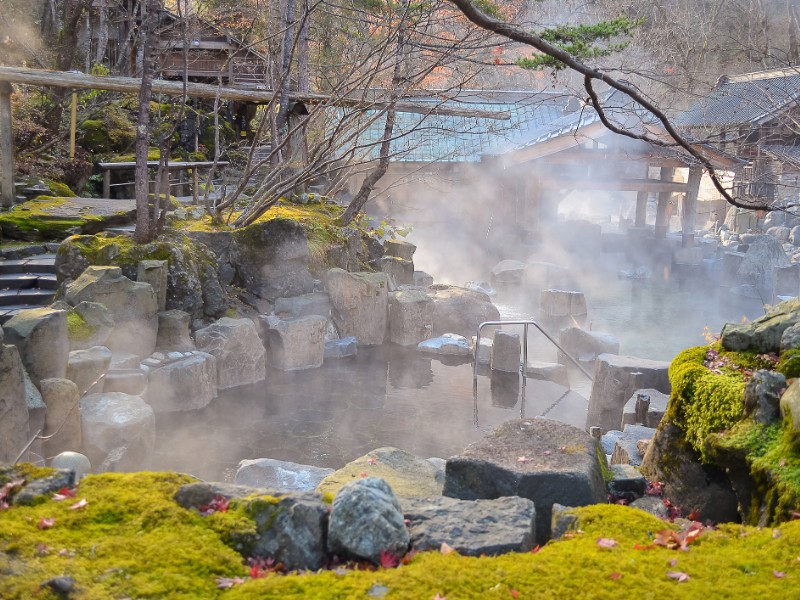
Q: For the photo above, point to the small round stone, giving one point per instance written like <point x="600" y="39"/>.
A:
<point x="74" y="461"/>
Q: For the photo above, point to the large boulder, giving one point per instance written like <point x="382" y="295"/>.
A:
<point x="61" y="396"/>
<point x="296" y="343"/>
<point x="360" y="303"/>
<point x="410" y="317"/>
<point x="616" y="378"/>
<point x="367" y="520"/>
<point x="88" y="324"/>
<point x="764" y="253"/>
<point x="155" y="273"/>
<point x="585" y="346"/>
<point x="40" y="335"/>
<point x="132" y="304"/>
<point x="506" y="352"/>
<point x="408" y="475"/>
<point x="14" y="432"/>
<point x="185" y="383"/>
<point x="238" y="349"/>
<point x="400" y="249"/>
<point x="448" y="344"/>
<point x="316" y="303"/>
<point x="763" y="334"/>
<point x="173" y="331"/>
<point x="291" y="530"/>
<point x="113" y="422"/>
<point x="192" y="280"/>
<point x="459" y="310"/>
<point x="562" y="303"/>
<point x="398" y="270"/>
<point x="279" y="475"/>
<point x="688" y="483"/>
<point x="271" y="259"/>
<point x="543" y="460"/>
<point x="471" y="527"/>
<point x="509" y="271"/>
<point x="87" y="367"/>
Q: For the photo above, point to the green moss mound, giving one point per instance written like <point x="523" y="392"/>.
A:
<point x="133" y="540"/>
<point x="789" y="363"/>
<point x="38" y="220"/>
<point x="77" y="327"/>
<point x="705" y="401"/>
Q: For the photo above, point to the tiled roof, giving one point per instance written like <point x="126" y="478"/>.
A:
<point x="447" y="138"/>
<point x="745" y="99"/>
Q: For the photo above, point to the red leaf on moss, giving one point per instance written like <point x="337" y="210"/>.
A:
<point x="514" y="593"/>
<point x="45" y="523"/>
<point x="5" y="491"/>
<point x="438" y="597"/>
<point x="223" y="583"/>
<point x="536" y="549"/>
<point x="372" y="461"/>
<point x="643" y="546"/>
<point x="615" y="575"/>
<point x="779" y="574"/>
<point x="389" y="560"/>
<point x="606" y="542"/>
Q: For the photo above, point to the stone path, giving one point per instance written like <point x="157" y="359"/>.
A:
<point x="27" y="278"/>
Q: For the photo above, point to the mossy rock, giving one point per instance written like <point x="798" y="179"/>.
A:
<point x="52" y="218"/>
<point x="192" y="284"/>
<point x="131" y="539"/>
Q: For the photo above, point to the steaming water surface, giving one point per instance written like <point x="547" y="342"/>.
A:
<point x="391" y="396"/>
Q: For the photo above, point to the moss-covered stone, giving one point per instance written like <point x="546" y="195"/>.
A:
<point x="77" y="327"/>
<point x="133" y="540"/>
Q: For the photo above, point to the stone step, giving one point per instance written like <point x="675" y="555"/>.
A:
<point x="43" y="263"/>
<point x="26" y="297"/>
<point x="24" y="281"/>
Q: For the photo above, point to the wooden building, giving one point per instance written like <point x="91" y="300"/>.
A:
<point x="755" y="116"/>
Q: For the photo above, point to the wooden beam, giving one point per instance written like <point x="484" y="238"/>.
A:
<point x="131" y="85"/>
<point x="584" y="155"/>
<point x="620" y="185"/>
<point x="6" y="148"/>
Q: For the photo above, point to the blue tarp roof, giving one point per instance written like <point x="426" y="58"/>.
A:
<point x="446" y="138"/>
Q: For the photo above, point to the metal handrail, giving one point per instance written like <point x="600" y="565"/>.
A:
<point x="524" y="367"/>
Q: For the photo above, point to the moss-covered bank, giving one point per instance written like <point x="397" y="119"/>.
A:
<point x="131" y="539"/>
<point x="707" y="404"/>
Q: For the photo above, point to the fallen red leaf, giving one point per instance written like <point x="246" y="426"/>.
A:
<point x="45" y="523"/>
<point x="389" y="560"/>
<point x="79" y="504"/>
<point x="5" y="491"/>
<point x="438" y="597"/>
<point x="522" y="459"/>
<point x="606" y="542"/>
<point x="536" y="549"/>
<point x="615" y="575"/>
<point x="643" y="546"/>
<point x="779" y="574"/>
<point x="223" y="583"/>
<point x="514" y="593"/>
<point x="372" y="461"/>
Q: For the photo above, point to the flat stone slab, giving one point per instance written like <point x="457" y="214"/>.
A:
<point x="626" y="450"/>
<point x="656" y="410"/>
<point x="471" y="527"/>
<point x="543" y="460"/>
<point x="449" y="344"/>
<point x="279" y="475"/>
<point x="408" y="475"/>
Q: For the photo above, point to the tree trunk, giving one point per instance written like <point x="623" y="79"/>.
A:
<point x="398" y="77"/>
<point x="794" y="52"/>
<point x="142" y="233"/>
<point x="284" y="75"/>
<point x="302" y="52"/>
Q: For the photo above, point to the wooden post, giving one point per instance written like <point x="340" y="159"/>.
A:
<point x="6" y="147"/>
<point x="107" y="183"/>
<point x="641" y="210"/>
<point x="73" y="125"/>
<point x="662" y="216"/>
<point x="195" y="185"/>
<point x="690" y="205"/>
